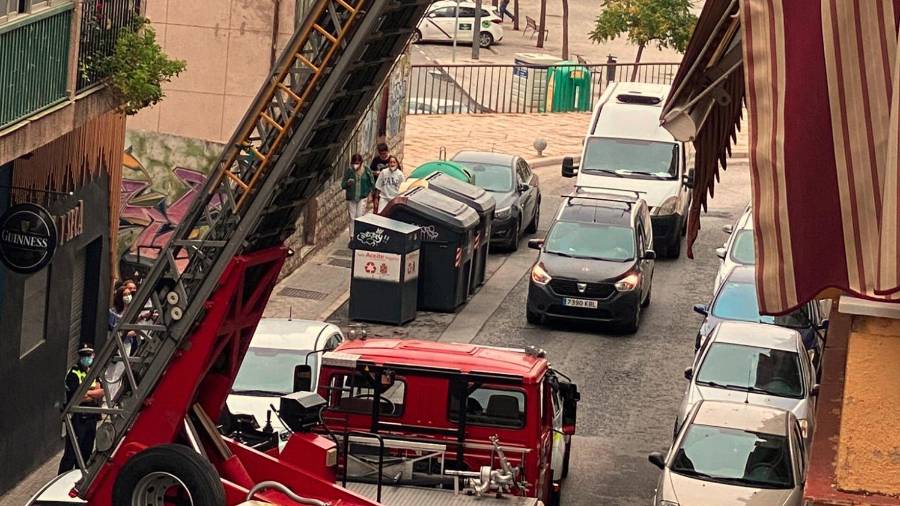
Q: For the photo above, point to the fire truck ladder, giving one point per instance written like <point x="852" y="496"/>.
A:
<point x="282" y="152"/>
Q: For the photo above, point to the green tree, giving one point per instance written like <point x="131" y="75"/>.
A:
<point x="668" y="23"/>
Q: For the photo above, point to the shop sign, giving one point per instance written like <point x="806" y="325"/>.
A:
<point x="28" y="238"/>
<point x="70" y="224"/>
<point x="412" y="265"/>
<point x="376" y="266"/>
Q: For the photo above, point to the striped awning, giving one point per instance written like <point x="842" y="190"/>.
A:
<point x="822" y="96"/>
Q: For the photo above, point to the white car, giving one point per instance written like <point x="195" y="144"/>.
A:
<point x="733" y="453"/>
<point x="756" y="363"/>
<point x="267" y="372"/>
<point x="433" y="105"/>
<point x="437" y="25"/>
<point x="738" y="249"/>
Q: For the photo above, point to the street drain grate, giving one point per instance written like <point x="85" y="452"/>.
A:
<point x="302" y="294"/>
<point x="341" y="262"/>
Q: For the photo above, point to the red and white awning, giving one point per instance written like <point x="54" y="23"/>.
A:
<point x="822" y="96"/>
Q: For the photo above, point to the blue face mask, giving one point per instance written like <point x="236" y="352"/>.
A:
<point x="86" y="361"/>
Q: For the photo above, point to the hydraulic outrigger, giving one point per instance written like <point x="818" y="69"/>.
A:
<point x="210" y="283"/>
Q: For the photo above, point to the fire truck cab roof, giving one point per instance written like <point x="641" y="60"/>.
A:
<point x="449" y="357"/>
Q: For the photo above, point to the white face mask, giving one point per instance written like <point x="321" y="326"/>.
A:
<point x="356" y="166"/>
<point x="126" y="299"/>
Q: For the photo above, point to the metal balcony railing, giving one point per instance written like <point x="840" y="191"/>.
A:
<point x="34" y="63"/>
<point x="101" y="23"/>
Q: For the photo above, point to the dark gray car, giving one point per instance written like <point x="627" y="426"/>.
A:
<point x="515" y="188"/>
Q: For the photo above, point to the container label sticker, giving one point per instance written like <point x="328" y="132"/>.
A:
<point x="376" y="266"/>
<point x="412" y="265"/>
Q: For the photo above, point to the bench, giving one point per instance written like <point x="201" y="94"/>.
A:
<point x="531" y="24"/>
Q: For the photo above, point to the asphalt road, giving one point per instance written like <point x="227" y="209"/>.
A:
<point x="631" y="385"/>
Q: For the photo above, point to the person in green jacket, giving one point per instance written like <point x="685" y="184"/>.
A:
<point x="357" y="184"/>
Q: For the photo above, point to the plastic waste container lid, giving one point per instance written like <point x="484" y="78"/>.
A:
<point x="472" y="195"/>
<point x="387" y="223"/>
<point x="452" y="169"/>
<point x="445" y="210"/>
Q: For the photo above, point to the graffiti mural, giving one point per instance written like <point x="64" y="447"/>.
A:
<point x="156" y="192"/>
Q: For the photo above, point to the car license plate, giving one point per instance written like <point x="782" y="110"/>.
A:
<point x="591" y="304"/>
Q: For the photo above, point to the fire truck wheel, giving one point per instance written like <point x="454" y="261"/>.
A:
<point x="168" y="474"/>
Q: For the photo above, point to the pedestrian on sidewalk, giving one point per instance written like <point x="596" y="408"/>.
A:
<point x="504" y="9"/>
<point x="357" y="184"/>
<point x="83" y="425"/>
<point x="388" y="183"/>
<point x="379" y="163"/>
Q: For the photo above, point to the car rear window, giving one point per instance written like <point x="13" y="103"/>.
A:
<point x="495" y="407"/>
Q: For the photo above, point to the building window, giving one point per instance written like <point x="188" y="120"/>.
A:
<point x="11" y="8"/>
<point x="34" y="311"/>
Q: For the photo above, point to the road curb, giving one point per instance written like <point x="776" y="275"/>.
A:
<point x="330" y="310"/>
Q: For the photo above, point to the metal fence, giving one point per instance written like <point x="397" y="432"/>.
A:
<point x="101" y="23"/>
<point x="449" y="89"/>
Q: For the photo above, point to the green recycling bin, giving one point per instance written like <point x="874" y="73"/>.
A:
<point x="452" y="169"/>
<point x="568" y="88"/>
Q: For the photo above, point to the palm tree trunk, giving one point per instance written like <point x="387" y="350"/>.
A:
<point x="542" y="23"/>
<point x="637" y="59"/>
<point x="565" y="29"/>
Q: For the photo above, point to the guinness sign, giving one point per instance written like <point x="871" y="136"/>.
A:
<point x="28" y="238"/>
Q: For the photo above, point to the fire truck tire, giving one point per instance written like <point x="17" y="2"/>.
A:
<point x="169" y="464"/>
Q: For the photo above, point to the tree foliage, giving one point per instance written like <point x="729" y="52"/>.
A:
<point x="668" y="23"/>
<point x="138" y="67"/>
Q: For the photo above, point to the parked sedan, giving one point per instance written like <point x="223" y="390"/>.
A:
<point x="439" y="20"/>
<point x="738" y="249"/>
<point x="736" y="300"/>
<point x="733" y="453"/>
<point x="596" y="263"/>
<point x="755" y="363"/>
<point x="516" y="189"/>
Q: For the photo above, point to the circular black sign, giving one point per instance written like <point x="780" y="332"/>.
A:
<point x="27" y="238"/>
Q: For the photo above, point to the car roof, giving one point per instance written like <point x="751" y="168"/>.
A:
<point x="587" y="210"/>
<point x="760" y="335"/>
<point x="282" y="333"/>
<point x="629" y="120"/>
<point x="742" y="274"/>
<point x="462" y="358"/>
<point x="742" y="416"/>
<point x="488" y="157"/>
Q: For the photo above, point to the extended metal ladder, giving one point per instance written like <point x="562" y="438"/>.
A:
<point x="279" y="156"/>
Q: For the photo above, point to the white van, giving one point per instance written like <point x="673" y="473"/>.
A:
<point x="626" y="149"/>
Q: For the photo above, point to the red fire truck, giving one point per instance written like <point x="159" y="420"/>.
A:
<point x="435" y="413"/>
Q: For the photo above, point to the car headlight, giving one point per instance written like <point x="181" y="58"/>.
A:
<point x="666" y="208"/>
<point x="628" y="283"/>
<point x="804" y="428"/>
<point x="539" y="275"/>
<point x="502" y="213"/>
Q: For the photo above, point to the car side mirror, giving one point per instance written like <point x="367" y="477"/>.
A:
<point x="728" y="229"/>
<point x="649" y="255"/>
<point x="824" y="325"/>
<point x="689" y="373"/>
<point x="657" y="459"/>
<point x="535" y="243"/>
<point x="568" y="167"/>
<point x="302" y="378"/>
<point x="688" y="180"/>
<point x="701" y="309"/>
<point x="570" y="397"/>
<point x="523" y="188"/>
<point x="814" y="390"/>
<point x="720" y="252"/>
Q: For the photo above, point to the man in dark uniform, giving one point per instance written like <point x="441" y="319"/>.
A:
<point x="85" y="425"/>
<point x="379" y="163"/>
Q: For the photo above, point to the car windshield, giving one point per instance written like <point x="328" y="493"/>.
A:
<point x="270" y="370"/>
<point x="735" y="457"/>
<point x="748" y="368"/>
<point x="742" y="248"/>
<point x="491" y="177"/>
<point x="630" y="158"/>
<point x="582" y="240"/>
<point x="737" y="301"/>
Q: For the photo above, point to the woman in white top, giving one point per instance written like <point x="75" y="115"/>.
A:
<point x="389" y="182"/>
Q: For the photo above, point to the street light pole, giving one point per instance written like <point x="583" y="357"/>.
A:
<point x="455" y="30"/>
<point x="476" y="31"/>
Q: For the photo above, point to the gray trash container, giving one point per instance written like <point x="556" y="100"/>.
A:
<point x="484" y="204"/>
<point x="448" y="235"/>
<point x="385" y="270"/>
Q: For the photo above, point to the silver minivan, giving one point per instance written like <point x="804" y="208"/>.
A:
<point x="626" y="149"/>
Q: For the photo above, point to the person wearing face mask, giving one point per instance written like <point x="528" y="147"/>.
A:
<point x="357" y="185"/>
<point x="83" y="425"/>
<point x="389" y="182"/>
